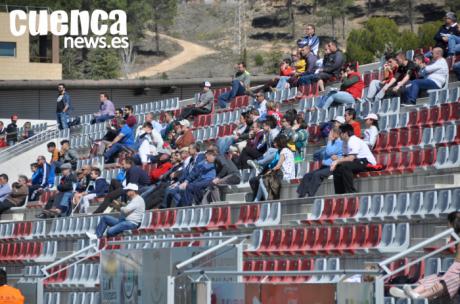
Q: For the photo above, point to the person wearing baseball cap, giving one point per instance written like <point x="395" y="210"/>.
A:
<point x="447" y="30"/>
<point x="372" y="130"/>
<point x="12" y="131"/>
<point x="131" y="215"/>
<point x="186" y="137"/>
<point x="204" y="103"/>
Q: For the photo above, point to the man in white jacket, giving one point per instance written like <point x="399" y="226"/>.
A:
<point x="435" y="77"/>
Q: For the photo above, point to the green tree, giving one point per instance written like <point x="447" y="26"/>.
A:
<point x="163" y="14"/>
<point x="426" y="33"/>
<point x="378" y="36"/>
<point x="103" y="64"/>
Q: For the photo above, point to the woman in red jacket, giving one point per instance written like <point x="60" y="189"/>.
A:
<point x="350" y="90"/>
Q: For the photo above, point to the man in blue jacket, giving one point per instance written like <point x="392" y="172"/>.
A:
<point x="99" y="189"/>
<point x="201" y="177"/>
<point x="45" y="176"/>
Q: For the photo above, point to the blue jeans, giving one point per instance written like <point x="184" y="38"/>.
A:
<point x="282" y="83"/>
<point x="454" y="45"/>
<point x="268" y="156"/>
<point x="172" y="198"/>
<point x="414" y="87"/>
<point x="308" y="79"/>
<point x="193" y="193"/>
<point x="63" y="120"/>
<point x="456" y="68"/>
<point x="237" y="90"/>
<point x="339" y="97"/>
<point x="224" y="143"/>
<point x="117" y="226"/>
<point x="262" y="193"/>
<point x="64" y="204"/>
<point x="112" y="152"/>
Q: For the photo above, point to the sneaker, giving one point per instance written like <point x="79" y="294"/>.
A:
<point x="398" y="293"/>
<point x="254" y="165"/>
<point x="411" y="293"/>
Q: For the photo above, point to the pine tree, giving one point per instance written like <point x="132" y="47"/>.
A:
<point x="163" y="14"/>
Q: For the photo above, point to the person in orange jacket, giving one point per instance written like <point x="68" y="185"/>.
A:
<point x="8" y="294"/>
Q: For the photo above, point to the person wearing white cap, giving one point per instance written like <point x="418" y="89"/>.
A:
<point x="372" y="130"/>
<point x="186" y="137"/>
<point x="204" y="104"/>
<point x="131" y="215"/>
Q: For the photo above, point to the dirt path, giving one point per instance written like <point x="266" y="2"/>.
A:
<point x="190" y="52"/>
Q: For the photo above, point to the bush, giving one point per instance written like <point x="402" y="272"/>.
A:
<point x="426" y="33"/>
<point x="274" y="58"/>
<point x="259" y="59"/>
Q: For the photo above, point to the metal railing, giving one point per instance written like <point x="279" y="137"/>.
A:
<point x="31" y="142"/>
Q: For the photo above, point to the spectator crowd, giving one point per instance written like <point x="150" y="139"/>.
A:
<point x="159" y="164"/>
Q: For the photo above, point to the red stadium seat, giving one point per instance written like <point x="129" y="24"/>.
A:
<point x="413" y="118"/>
<point x="415" y="136"/>
<point x="351" y="207"/>
<point x="298" y="244"/>
<point x="288" y="240"/>
<point x="382" y="142"/>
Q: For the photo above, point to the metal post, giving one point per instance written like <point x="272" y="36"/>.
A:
<point x="171" y="290"/>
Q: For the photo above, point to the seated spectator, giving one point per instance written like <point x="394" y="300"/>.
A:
<point x="5" y="188"/>
<point x="124" y="140"/>
<point x="131" y="215"/>
<point x="226" y="174"/>
<point x="155" y="195"/>
<point x="185" y="137"/>
<point x="254" y="147"/>
<point x="241" y="82"/>
<point x="450" y="27"/>
<point x="271" y="131"/>
<point x="260" y="103"/>
<point x="198" y="180"/>
<point x="172" y="196"/>
<point x="438" y="286"/>
<point x="14" y="295"/>
<point x="453" y="43"/>
<point x="456" y="69"/>
<point x="106" y="109"/>
<point x="274" y="111"/>
<point x="435" y="77"/>
<point x="54" y="151"/>
<point x="17" y="196"/>
<point x="60" y="205"/>
<point x="150" y="117"/>
<point x="371" y="133"/>
<point x="240" y="134"/>
<point x="66" y="155"/>
<point x="310" y="39"/>
<point x="35" y="178"/>
<point x="351" y="89"/>
<point x="331" y="68"/>
<point x="168" y="124"/>
<point x="357" y="157"/>
<point x="134" y="175"/>
<point x="267" y="186"/>
<point x="12" y="131"/>
<point x="99" y="190"/>
<point x="311" y="181"/>
<point x="325" y="130"/>
<point x="45" y="174"/>
<point x="129" y="116"/>
<point x="204" y="104"/>
<point x="350" y="118"/>
<point x="310" y="59"/>
<point x="163" y="165"/>
<point x="27" y="130"/>
<point x="84" y="184"/>
<point x="407" y="71"/>
<point x="114" y="125"/>
<point x="378" y="88"/>
<point x="3" y="142"/>
<point x="148" y="144"/>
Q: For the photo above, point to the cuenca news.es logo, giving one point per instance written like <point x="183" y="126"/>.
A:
<point x="76" y="29"/>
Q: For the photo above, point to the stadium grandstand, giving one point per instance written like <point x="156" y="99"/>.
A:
<point x="331" y="183"/>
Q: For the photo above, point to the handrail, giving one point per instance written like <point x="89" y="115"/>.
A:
<point x="45" y="269"/>
<point x="421" y="245"/>
<point x="27" y="144"/>
<point x="285" y="273"/>
<point x="159" y="240"/>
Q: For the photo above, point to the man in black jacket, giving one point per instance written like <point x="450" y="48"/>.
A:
<point x="12" y="131"/>
<point x="60" y="205"/>
<point x="332" y="66"/>
<point x="450" y="27"/>
<point x="134" y="175"/>
<point x="226" y="174"/>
